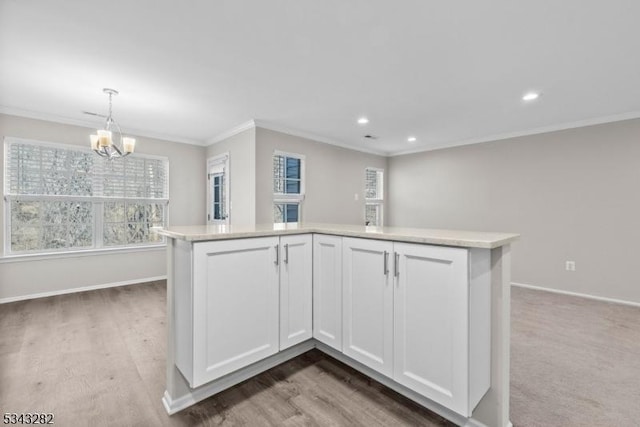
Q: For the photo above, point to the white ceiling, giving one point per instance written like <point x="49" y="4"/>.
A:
<point x="447" y="72"/>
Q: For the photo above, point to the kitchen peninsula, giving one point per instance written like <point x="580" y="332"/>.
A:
<point x="424" y="312"/>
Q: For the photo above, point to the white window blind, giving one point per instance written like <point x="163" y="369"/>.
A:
<point x="62" y="198"/>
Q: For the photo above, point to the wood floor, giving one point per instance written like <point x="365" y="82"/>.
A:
<point x="98" y="358"/>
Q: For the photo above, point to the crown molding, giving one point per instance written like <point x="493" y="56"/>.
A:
<point x="317" y="138"/>
<point x="231" y="132"/>
<point x="545" y="129"/>
<point x="14" y="111"/>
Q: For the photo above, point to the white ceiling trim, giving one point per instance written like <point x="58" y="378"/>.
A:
<point x="282" y="129"/>
<point x="231" y="132"/>
<point x="13" y="111"/>
<point x="9" y="110"/>
<point x="545" y="129"/>
<point x="318" y="138"/>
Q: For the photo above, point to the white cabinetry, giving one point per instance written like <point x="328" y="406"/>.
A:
<point x="368" y="303"/>
<point x="235" y="307"/>
<point x="420" y="314"/>
<point x="296" y="278"/>
<point x="327" y="290"/>
<point x="416" y="314"/>
<point x="432" y="302"/>
<point x="245" y="300"/>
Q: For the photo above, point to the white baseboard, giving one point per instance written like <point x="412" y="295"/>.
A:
<point x="474" y="423"/>
<point x="398" y="388"/>
<point x="81" y="289"/>
<point x="196" y="395"/>
<point x="576" y="294"/>
<point x="173" y="405"/>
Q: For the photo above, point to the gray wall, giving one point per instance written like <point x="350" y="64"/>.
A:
<point x="573" y="195"/>
<point x="186" y="206"/>
<point x="242" y="178"/>
<point x="333" y="176"/>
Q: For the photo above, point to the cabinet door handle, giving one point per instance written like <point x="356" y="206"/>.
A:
<point x="396" y="264"/>
<point x="385" y="270"/>
<point x="277" y="261"/>
<point x="286" y="253"/>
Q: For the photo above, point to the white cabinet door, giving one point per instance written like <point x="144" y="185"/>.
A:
<point x="235" y="305"/>
<point x="368" y="303"/>
<point x="327" y="290"/>
<point x="431" y="318"/>
<point x="296" y="278"/>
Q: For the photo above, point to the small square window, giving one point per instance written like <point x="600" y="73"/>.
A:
<point x="286" y="212"/>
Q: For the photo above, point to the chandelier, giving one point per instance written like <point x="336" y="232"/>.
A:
<point x="104" y="142"/>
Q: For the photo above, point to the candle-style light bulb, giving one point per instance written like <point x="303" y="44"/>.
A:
<point x="128" y="144"/>
<point x="104" y="138"/>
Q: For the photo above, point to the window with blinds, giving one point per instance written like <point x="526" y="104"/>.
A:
<point x="64" y="198"/>
<point x="288" y="186"/>
<point x="374" y="196"/>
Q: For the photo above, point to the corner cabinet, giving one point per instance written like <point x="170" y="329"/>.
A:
<point x="247" y="299"/>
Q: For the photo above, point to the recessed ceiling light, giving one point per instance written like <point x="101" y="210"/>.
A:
<point x="412" y="139"/>
<point x="363" y="121"/>
<point x="530" y="96"/>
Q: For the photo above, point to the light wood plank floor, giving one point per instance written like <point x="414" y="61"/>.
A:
<point x="98" y="358"/>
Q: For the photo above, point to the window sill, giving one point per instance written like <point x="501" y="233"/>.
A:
<point x="81" y="253"/>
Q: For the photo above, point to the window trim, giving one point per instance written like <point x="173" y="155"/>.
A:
<point x="97" y="202"/>
<point x="220" y="159"/>
<point x="290" y="198"/>
<point x="38" y="256"/>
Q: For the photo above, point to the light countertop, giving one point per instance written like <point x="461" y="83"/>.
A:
<point x="460" y="238"/>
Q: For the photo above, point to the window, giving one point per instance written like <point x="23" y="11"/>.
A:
<point x="218" y="189"/>
<point x="286" y="212"/>
<point x="288" y="186"/>
<point x="218" y="195"/>
<point x="65" y="198"/>
<point x="374" y="196"/>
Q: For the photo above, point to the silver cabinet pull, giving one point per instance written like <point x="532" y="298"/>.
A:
<point x="277" y="261"/>
<point x="385" y="270"/>
<point x="286" y="253"/>
<point x="396" y="264"/>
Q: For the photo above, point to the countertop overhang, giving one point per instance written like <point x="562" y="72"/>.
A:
<point x="459" y="238"/>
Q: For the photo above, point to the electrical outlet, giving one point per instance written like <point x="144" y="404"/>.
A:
<point x="356" y="197"/>
<point x="570" y="266"/>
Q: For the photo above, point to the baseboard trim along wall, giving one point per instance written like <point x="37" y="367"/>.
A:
<point x="81" y="289"/>
<point x="576" y="294"/>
